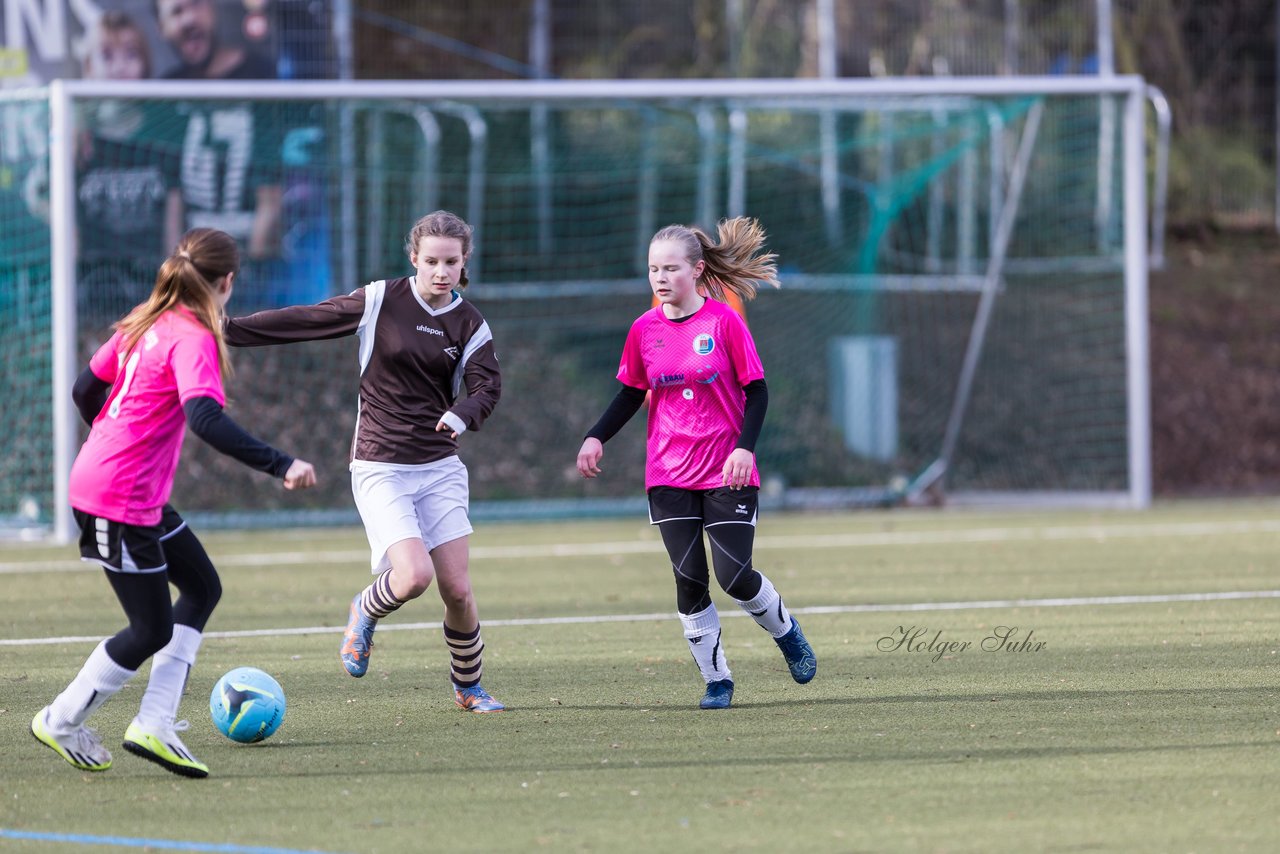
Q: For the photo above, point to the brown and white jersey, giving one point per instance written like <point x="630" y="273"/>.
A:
<point x="415" y="362"/>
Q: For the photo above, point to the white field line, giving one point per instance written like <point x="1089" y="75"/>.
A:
<point x="1066" y="602"/>
<point x="959" y="536"/>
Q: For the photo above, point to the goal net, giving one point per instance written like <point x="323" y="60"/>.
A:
<point x="962" y="262"/>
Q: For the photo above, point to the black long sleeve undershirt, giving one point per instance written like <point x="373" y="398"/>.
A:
<point x="90" y="394"/>
<point x="626" y="404"/>
<point x="753" y="414"/>
<point x="207" y="420"/>
<point x="629" y="399"/>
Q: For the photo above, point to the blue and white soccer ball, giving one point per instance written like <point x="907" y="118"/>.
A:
<point x="247" y="705"/>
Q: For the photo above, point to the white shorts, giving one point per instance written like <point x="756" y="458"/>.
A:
<point x="427" y="502"/>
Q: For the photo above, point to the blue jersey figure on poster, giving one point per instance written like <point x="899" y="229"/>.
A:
<point x="248" y="168"/>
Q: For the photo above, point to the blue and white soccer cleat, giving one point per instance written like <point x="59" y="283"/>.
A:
<point x="476" y="699"/>
<point x="357" y="640"/>
<point x="719" y="695"/>
<point x="798" y="653"/>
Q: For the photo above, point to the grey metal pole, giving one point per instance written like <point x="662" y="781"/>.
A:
<point x="375" y="192"/>
<point x="343" y="42"/>
<point x="646" y="189"/>
<point x="986" y="302"/>
<point x="1137" y="343"/>
<point x="1106" y="40"/>
<point x="348" y="249"/>
<point x="1160" y="192"/>
<point x="1012" y="36"/>
<point x="828" y="68"/>
<point x="540" y="122"/>
<point x="965" y="213"/>
<point x="429" y="164"/>
<point x="737" y="162"/>
<point x="705" y="204"/>
<point x="933" y="211"/>
<point x="733" y="14"/>
<point x="477" y="157"/>
<point x="1103" y="213"/>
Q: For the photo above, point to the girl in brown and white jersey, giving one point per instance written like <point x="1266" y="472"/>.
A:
<point x="421" y="344"/>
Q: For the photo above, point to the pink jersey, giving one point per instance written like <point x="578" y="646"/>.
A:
<point x="124" y="471"/>
<point x="696" y="370"/>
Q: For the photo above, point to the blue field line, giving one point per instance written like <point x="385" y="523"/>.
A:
<point x="150" y="844"/>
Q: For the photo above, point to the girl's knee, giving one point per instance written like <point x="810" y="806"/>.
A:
<point x="742" y="585"/>
<point x="691" y="597"/>
<point x="147" y="640"/>
<point x="419" y="578"/>
<point x="456" y="596"/>
<point x="214" y="594"/>
<point x="199" y="605"/>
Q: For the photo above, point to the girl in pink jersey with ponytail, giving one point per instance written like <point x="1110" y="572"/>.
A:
<point x="161" y="372"/>
<point x="695" y="357"/>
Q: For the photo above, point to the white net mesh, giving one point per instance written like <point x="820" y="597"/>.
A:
<point x="883" y="211"/>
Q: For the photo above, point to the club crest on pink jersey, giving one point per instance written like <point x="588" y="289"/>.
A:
<point x="704" y="344"/>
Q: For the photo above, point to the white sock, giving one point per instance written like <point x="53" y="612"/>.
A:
<point x="98" y="681"/>
<point x="767" y="609"/>
<point x="169" y="670"/>
<point x="702" y="631"/>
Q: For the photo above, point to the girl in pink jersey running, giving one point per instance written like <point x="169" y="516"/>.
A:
<point x="696" y="358"/>
<point x="159" y="373"/>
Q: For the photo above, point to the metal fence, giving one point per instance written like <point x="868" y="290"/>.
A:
<point x="1215" y="62"/>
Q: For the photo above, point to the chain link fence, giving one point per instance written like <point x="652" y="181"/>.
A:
<point x="1216" y="62"/>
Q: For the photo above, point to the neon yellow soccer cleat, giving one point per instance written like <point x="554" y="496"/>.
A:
<point x="163" y="747"/>
<point x="81" y="747"/>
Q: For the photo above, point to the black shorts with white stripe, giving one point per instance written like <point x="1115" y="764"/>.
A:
<point x="710" y="506"/>
<point x="119" y="547"/>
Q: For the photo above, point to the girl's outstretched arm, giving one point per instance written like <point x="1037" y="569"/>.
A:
<point x="335" y="317"/>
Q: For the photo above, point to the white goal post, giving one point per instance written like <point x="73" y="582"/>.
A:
<point x="986" y="283"/>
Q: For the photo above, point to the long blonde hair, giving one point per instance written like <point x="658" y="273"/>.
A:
<point x="187" y="277"/>
<point x="732" y="262"/>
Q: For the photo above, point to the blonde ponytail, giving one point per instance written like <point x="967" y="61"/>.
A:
<point x="733" y="262"/>
<point x="188" y="277"/>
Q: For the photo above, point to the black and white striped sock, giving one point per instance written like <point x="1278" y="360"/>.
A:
<point x="465" y="652"/>
<point x="377" y="600"/>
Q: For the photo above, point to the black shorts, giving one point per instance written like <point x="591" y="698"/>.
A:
<point x="710" y="506"/>
<point x="127" y="548"/>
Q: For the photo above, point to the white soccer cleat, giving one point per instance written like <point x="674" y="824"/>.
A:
<point x="81" y="747"/>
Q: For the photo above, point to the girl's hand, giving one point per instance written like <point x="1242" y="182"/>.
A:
<point x="738" y="468"/>
<point x="301" y="474"/>
<point x="589" y="457"/>
<point x="440" y="425"/>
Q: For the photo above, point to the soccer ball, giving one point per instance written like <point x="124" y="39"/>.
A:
<point x="247" y="705"/>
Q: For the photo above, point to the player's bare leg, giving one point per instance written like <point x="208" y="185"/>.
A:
<point x="462" y="626"/>
<point x="408" y="578"/>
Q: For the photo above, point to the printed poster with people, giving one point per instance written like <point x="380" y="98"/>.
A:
<point x="146" y="171"/>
